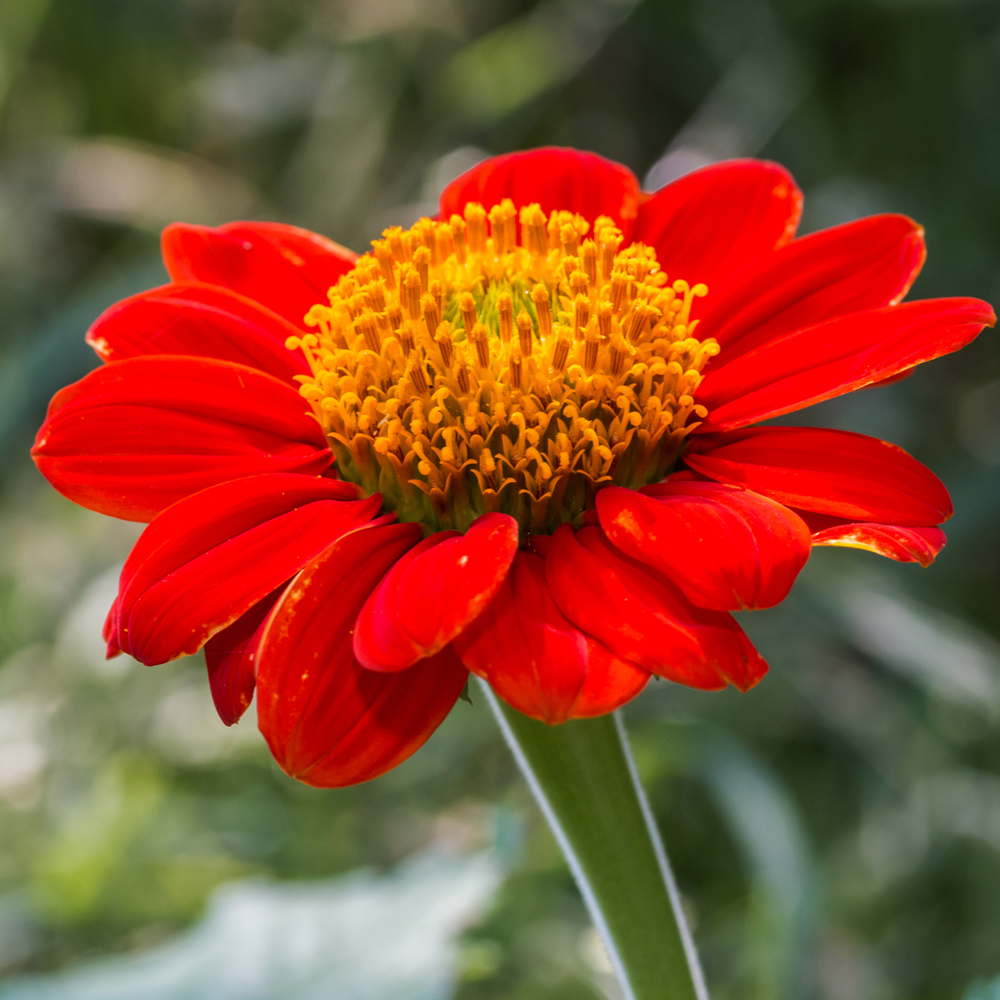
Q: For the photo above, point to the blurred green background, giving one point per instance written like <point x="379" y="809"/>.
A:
<point x="836" y="832"/>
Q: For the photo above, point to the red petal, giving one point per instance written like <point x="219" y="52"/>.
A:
<point x="610" y="682"/>
<point x="133" y="437"/>
<point x="283" y="267"/>
<point x="328" y="720"/>
<point x="832" y="472"/>
<point x="557" y="179"/>
<point x="726" y="548"/>
<point x="835" y="357"/>
<point x="206" y="321"/>
<point x="433" y="592"/>
<point x="231" y="658"/>
<point x="898" y="377"/>
<point x="861" y="265"/>
<point x="110" y="632"/>
<point x="640" y="616"/>
<point x="209" y="558"/>
<point x="904" y="544"/>
<point x="536" y="660"/>
<point x="709" y="224"/>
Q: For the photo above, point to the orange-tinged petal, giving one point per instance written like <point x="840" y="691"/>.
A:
<point x="640" y="615"/>
<point x="433" y="592"/>
<point x="135" y="436"/>
<point x="210" y="557"/>
<point x="726" y="548"/>
<point x="894" y="541"/>
<point x="861" y="265"/>
<point x="328" y="720"/>
<point x="708" y="225"/>
<point x="829" y="359"/>
<point x="283" y="267"/>
<point x="109" y="633"/>
<point x="851" y="476"/>
<point x="205" y="321"/>
<point x="610" y="682"/>
<point x="231" y="657"/>
<point x="556" y="179"/>
<point x="536" y="660"/>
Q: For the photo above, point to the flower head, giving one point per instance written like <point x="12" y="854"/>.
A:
<point x="459" y="373"/>
<point x="523" y="439"/>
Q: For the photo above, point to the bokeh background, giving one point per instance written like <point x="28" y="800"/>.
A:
<point x="836" y="832"/>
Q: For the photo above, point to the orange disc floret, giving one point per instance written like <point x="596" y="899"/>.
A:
<point x="539" y="370"/>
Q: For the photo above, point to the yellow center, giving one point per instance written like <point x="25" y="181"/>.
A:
<point x="457" y="370"/>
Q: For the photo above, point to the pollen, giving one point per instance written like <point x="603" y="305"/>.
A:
<point x="506" y="361"/>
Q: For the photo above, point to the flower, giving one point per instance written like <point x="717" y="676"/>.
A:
<point x="523" y="439"/>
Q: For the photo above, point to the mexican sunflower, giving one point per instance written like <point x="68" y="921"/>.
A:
<point x="524" y="439"/>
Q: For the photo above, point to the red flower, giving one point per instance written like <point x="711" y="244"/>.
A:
<point x="520" y="441"/>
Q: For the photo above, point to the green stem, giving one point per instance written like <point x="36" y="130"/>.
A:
<point x="585" y="781"/>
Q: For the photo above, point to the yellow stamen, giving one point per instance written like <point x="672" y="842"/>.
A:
<point x="395" y="237"/>
<point x="411" y="293"/>
<point x="540" y="296"/>
<point x="505" y="316"/>
<point x="533" y="229"/>
<point x="569" y="238"/>
<point x="482" y="345"/>
<point x="383" y="253"/>
<point x="524" y="331"/>
<point x="560" y="354"/>
<point x="457" y="224"/>
<point x="422" y="258"/>
<point x="581" y="315"/>
<point x="456" y="370"/>
<point x="475" y="220"/>
<point x="445" y="345"/>
<point x="467" y="306"/>
<point x="609" y="239"/>
<point x="588" y="253"/>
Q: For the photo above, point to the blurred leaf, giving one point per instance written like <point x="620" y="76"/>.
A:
<point x="56" y="354"/>
<point x="360" y="937"/>
<point x="985" y="991"/>
<point x="19" y="20"/>
<point x="766" y="824"/>
<point x="140" y="185"/>
<point x="73" y="872"/>
<point x="519" y="61"/>
<point x="954" y="660"/>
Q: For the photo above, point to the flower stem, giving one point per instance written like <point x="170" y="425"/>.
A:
<point x="584" y="778"/>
